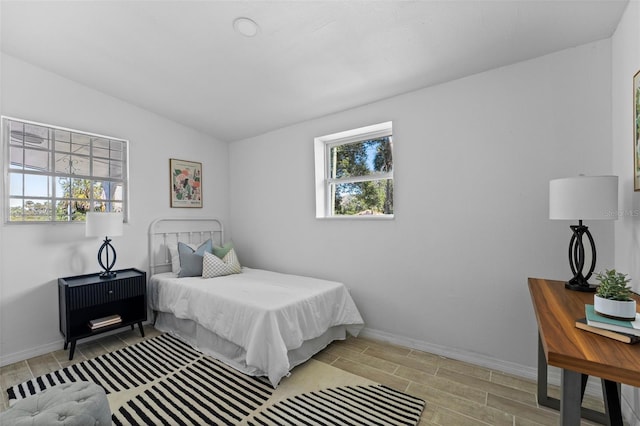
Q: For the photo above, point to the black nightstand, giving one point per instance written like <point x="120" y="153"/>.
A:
<point x="87" y="298"/>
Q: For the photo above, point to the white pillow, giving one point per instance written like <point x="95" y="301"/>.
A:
<point x="175" y="256"/>
<point x="213" y="266"/>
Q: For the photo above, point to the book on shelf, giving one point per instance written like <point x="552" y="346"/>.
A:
<point x="599" y="321"/>
<point x="622" y="337"/>
<point x="104" y="321"/>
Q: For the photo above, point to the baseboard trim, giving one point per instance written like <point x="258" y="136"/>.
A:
<point x="54" y="346"/>
<point x="554" y="374"/>
<point x="460" y="355"/>
<point x="30" y="353"/>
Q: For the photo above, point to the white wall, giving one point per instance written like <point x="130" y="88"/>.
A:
<point x="625" y="63"/>
<point x="32" y="257"/>
<point x="473" y="160"/>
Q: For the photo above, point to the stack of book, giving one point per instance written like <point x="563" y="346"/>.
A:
<point x="624" y="331"/>
<point x="104" y="321"/>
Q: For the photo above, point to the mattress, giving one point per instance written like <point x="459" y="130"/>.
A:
<point x="263" y="316"/>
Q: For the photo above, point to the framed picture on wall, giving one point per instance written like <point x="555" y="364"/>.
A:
<point x="636" y="131"/>
<point x="186" y="183"/>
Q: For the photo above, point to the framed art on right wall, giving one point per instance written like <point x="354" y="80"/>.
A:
<point x="636" y="132"/>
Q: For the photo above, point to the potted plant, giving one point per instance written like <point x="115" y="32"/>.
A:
<point x="613" y="296"/>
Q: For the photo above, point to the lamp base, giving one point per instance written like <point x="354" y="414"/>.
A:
<point x="107" y="274"/>
<point x="580" y="283"/>
<point x="106" y="247"/>
<point x="589" y="288"/>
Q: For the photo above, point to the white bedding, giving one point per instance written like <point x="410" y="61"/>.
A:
<point x="266" y="313"/>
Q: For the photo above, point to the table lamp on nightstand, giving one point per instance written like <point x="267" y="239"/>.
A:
<point x="105" y="224"/>
<point x="583" y="198"/>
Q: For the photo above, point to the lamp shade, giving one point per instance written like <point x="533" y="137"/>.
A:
<point x="584" y="198"/>
<point x="103" y="224"/>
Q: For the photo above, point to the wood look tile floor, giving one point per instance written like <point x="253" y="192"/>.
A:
<point x="456" y="393"/>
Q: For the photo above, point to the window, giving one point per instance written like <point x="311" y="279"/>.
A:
<point x="354" y="173"/>
<point x="57" y="175"/>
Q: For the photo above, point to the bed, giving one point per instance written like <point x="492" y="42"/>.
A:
<point x="260" y="322"/>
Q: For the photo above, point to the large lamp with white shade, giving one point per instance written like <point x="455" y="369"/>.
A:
<point x="583" y="198"/>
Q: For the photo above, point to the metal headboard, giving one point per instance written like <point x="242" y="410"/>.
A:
<point x="164" y="232"/>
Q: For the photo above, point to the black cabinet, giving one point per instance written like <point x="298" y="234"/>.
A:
<point x="119" y="301"/>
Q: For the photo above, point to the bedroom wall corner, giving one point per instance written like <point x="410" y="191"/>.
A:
<point x="473" y="160"/>
<point x="625" y="63"/>
<point x="33" y="256"/>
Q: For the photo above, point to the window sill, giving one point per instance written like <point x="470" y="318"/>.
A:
<point x="363" y="217"/>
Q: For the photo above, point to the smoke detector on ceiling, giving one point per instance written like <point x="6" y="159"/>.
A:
<point x="245" y="26"/>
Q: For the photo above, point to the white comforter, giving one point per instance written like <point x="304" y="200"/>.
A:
<point x="266" y="313"/>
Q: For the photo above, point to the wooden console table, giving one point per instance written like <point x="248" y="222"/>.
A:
<point x="579" y="354"/>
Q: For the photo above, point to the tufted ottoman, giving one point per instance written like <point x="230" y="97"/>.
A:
<point x="72" y="404"/>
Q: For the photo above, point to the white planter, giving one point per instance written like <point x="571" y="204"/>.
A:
<point x="623" y="310"/>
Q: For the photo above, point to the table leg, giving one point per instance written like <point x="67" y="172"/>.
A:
<point x="571" y="401"/>
<point x="543" y="383"/>
<point x="546" y="401"/>
<point x="611" y="394"/>
<point x="141" y="328"/>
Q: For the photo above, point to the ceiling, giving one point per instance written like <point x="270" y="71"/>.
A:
<point x="184" y="61"/>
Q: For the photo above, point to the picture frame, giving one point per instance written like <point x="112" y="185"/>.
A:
<point x="636" y="131"/>
<point x="185" y="183"/>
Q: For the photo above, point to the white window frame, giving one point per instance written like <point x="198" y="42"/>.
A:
<point x="53" y="174"/>
<point x="323" y="179"/>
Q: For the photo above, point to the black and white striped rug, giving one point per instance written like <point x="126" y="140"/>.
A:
<point x="173" y="384"/>
<point x="345" y="405"/>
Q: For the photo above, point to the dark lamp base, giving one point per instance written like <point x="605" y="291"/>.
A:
<point x="107" y="274"/>
<point x="580" y="283"/>
<point x="106" y="269"/>
<point x="588" y="288"/>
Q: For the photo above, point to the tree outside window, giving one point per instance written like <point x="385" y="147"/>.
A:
<point x="354" y="173"/>
<point x="58" y="175"/>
